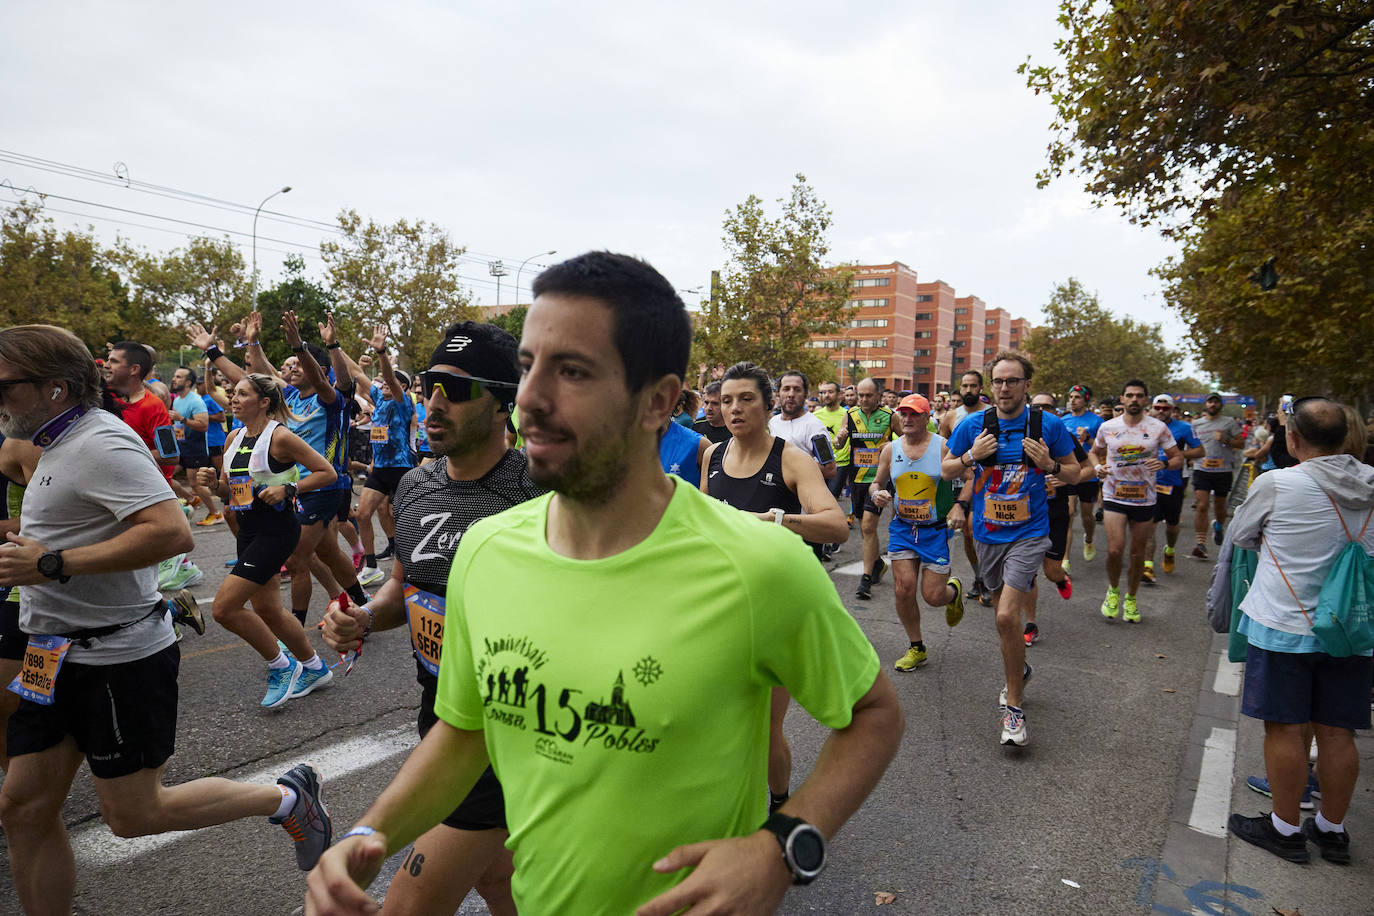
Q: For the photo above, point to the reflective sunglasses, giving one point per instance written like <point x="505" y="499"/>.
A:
<point x="457" y="388"/>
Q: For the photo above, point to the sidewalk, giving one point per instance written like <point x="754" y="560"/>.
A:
<point x="1204" y="868"/>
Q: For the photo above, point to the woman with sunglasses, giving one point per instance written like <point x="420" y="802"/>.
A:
<point x="259" y="484"/>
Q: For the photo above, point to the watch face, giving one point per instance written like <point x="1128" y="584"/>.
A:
<point x="49" y="564"/>
<point x="808" y="849"/>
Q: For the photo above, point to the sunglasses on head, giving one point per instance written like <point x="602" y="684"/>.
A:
<point x="457" y="388"/>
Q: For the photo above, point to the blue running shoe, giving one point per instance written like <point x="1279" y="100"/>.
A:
<point x="1216" y="533"/>
<point x="280" y="683"/>
<point x="1261" y="785"/>
<point x="315" y="679"/>
<point x="308" y="821"/>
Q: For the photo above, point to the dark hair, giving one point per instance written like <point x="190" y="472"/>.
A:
<point x="710" y="389"/>
<point x="195" y="379"/>
<point x="135" y="354"/>
<point x="1136" y="383"/>
<point x="973" y="372"/>
<point x="46" y="352"/>
<point x="1321" y="422"/>
<point x="652" y="332"/>
<point x="321" y="357"/>
<point x="1026" y="368"/>
<point x="796" y="373"/>
<point x="1054" y="401"/>
<point x="752" y="373"/>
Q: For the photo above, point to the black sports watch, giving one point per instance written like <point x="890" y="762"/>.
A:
<point x="50" y="565"/>
<point x="803" y="847"/>
<point x="291" y="489"/>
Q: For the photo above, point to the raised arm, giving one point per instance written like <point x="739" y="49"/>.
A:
<point x="314" y="375"/>
<point x="345" y="370"/>
<point x="384" y="363"/>
<point x="256" y="359"/>
<point x="205" y="341"/>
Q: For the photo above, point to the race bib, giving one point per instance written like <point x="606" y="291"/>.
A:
<point x="425" y="614"/>
<point x="1213" y="464"/>
<point x="37" y="680"/>
<point x="1006" y="510"/>
<point x="866" y="457"/>
<point x="1049" y="490"/>
<point x="1163" y="489"/>
<point x="1136" y="492"/>
<point x="920" y="511"/>
<point x="240" y="493"/>
<point x="378" y="434"/>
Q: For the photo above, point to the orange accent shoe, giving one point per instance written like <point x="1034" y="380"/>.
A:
<point x="214" y="518"/>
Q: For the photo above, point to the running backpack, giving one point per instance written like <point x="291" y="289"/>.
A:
<point x="1035" y="425"/>
<point x="1344" y="621"/>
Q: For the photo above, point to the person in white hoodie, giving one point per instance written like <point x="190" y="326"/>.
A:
<point x="1297" y="519"/>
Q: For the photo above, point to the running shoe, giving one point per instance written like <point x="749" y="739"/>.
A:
<point x="1097" y="516"/>
<point x="1065" y="564"/>
<point x="358" y="559"/>
<point x="312" y="679"/>
<point x="214" y="518"/>
<point x="1089" y="551"/>
<point x="285" y="576"/>
<point x="166" y="569"/>
<point x="185" y="609"/>
<point x="864" y="591"/>
<point x="1334" y="845"/>
<point x="1111" y="604"/>
<point x="1199" y="551"/>
<point x="1261" y="785"/>
<point x="976" y="590"/>
<point x="1217" y="533"/>
<point x="1129" y="611"/>
<point x="954" y="611"/>
<point x="390" y="550"/>
<point x="1025" y="679"/>
<point x="186" y="575"/>
<point x="280" y="683"/>
<point x="308" y="821"/>
<point x="371" y="574"/>
<point x="1014" y="727"/>
<point x="913" y="659"/>
<point x="1148" y="574"/>
<point x="1031" y="634"/>
<point x="879" y="568"/>
<point x="984" y="594"/>
<point x="1260" y="831"/>
<point x="851" y="521"/>
<point x="1065" y="588"/>
<point x="1168" y="561"/>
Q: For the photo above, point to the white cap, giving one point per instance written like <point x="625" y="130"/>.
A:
<point x="1164" y="399"/>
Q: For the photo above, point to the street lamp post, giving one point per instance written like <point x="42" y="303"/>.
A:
<point x="255" y="240"/>
<point x="522" y="267"/>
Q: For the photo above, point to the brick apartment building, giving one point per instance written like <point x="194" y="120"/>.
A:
<point x="916" y="336"/>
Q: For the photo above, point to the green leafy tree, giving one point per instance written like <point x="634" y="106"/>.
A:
<point x="404" y="275"/>
<point x="1246" y="130"/>
<point x="513" y="321"/>
<point x="1080" y="342"/>
<point x="205" y="282"/>
<point x="61" y="278"/>
<point x="775" y="290"/>
<point x="311" y="302"/>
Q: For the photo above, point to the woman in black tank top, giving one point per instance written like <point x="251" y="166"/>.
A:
<point x="761" y="491"/>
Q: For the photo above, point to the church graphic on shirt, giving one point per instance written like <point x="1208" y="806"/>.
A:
<point x="616" y="712"/>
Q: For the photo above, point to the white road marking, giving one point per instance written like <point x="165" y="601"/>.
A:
<point x="96" y="845"/>
<point x="1212" y="804"/>
<point x="1227" y="682"/>
<point x="850" y="569"/>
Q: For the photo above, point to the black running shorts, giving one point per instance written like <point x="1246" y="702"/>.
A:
<point x="484" y="808"/>
<point x="1132" y="513"/>
<point x="123" y="717"/>
<point x="1087" y="491"/>
<point x="1059" y="527"/>
<point x="13" y="641"/>
<point x="263" y="551"/>
<point x="1218" y="483"/>
<point x="385" y="480"/>
<point x="191" y="462"/>
<point x="1169" y="506"/>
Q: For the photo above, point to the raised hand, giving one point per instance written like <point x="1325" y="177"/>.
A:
<point x="291" y="327"/>
<point x="329" y="331"/>
<point x="200" y="338"/>
<point x="379" y="337"/>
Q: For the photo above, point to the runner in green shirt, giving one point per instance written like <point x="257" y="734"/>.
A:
<point x="868" y="427"/>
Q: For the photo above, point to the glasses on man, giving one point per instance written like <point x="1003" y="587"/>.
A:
<point x="1006" y="382"/>
<point x="456" y="388"/>
<point x="8" y="383"/>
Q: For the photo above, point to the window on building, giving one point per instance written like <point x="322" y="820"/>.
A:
<point x="961" y="327"/>
<point x="873" y="363"/>
<point x="961" y="311"/>
<point x="868" y="323"/>
<point x="990" y="322"/>
<point x="923" y="334"/>
<point x="873" y="281"/>
<point x="925" y="297"/>
<point x="919" y="352"/>
<point x="924" y="316"/>
<point x="867" y="303"/>
<point x="959" y="360"/>
<point x="921" y="370"/>
<point x="987" y="351"/>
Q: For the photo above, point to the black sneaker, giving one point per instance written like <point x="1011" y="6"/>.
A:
<point x="878" y="569"/>
<point x="1335" y="847"/>
<point x="1097" y="516"/>
<point x="865" y="590"/>
<point x="985" y="597"/>
<point x="308" y="821"/>
<point x="975" y="591"/>
<point x="1259" y="831"/>
<point x="389" y="552"/>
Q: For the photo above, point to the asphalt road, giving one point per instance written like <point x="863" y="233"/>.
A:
<point x="1090" y="818"/>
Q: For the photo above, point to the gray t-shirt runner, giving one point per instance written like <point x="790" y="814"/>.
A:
<point x="1218" y="457"/>
<point x="84" y="489"/>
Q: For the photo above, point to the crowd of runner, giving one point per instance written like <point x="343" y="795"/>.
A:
<point x="573" y="461"/>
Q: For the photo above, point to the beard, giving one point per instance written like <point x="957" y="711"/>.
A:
<point x="464" y="438"/>
<point x="969" y="399"/>
<point x="21" y="426"/>
<point x="594" y="470"/>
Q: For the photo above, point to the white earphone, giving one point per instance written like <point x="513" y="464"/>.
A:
<point x="56" y="393"/>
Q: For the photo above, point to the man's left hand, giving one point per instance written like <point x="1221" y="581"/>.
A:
<point x="1038" y="452"/>
<point x="741" y="875"/>
<point x="19" y="561"/>
<point x="1154" y="464"/>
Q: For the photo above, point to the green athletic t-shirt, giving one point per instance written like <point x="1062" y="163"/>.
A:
<point x="867" y="434"/>
<point x="625" y="705"/>
<point x="834" y="420"/>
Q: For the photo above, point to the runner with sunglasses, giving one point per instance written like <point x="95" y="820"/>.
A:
<point x="469" y="391"/>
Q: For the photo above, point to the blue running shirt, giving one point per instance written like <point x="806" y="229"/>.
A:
<point x="395" y="417"/>
<point x="324" y="427"/>
<point x="1184" y="439"/>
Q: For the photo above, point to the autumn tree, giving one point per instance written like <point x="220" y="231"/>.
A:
<point x="65" y="278"/>
<point x="404" y="274"/>
<point x="1245" y="129"/>
<point x="775" y="290"/>
<point x="1081" y="343"/>
<point x="205" y="282"/>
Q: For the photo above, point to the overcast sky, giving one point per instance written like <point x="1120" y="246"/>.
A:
<point x="522" y="128"/>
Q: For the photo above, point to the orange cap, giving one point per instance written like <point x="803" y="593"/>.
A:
<point x="916" y="402"/>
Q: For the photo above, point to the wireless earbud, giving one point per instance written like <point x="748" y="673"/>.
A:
<point x="56" y="393"/>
